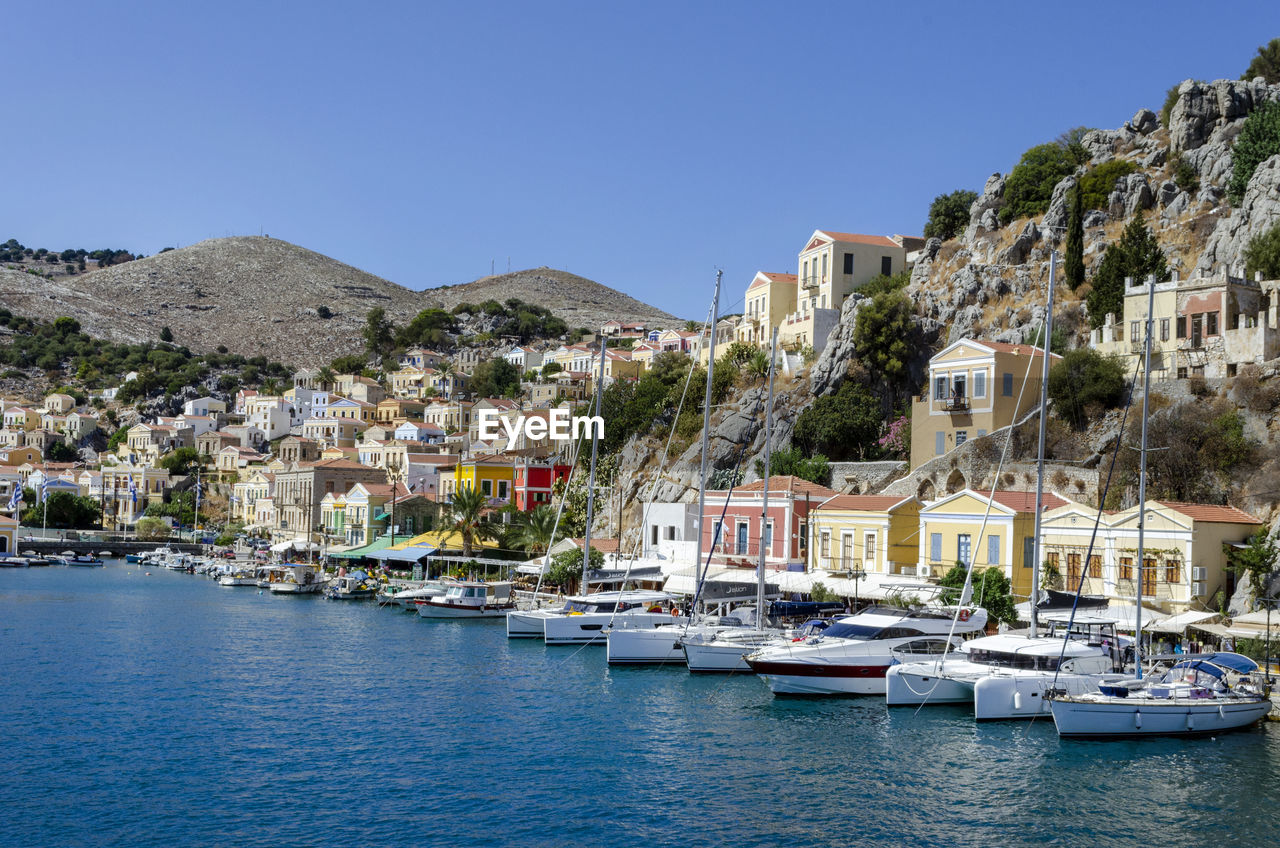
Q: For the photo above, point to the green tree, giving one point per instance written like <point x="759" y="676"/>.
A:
<point x="1198" y="447"/>
<point x="1263" y="254"/>
<point x="885" y="283"/>
<point x="430" y="327"/>
<point x="566" y="568"/>
<point x="151" y="529"/>
<point x="378" y="333"/>
<point x="739" y="353"/>
<point x="1266" y="64"/>
<point x="1258" y="141"/>
<point x="1083" y="379"/>
<point x="166" y="335"/>
<point x="64" y="511"/>
<point x="466" y="515"/>
<point x="1074" y="265"/>
<point x="793" y="463"/>
<point x="1258" y="560"/>
<point x="117" y="439"/>
<point x="533" y="530"/>
<point x="61" y="452"/>
<point x="1137" y="254"/>
<point x="180" y="462"/>
<point x="884" y="338"/>
<point x="495" y="378"/>
<point x="991" y="590"/>
<point x="1096" y="185"/>
<point x="843" y="426"/>
<point x="1029" y="186"/>
<point x="352" y="363"/>
<point x="551" y="368"/>
<point x="949" y="214"/>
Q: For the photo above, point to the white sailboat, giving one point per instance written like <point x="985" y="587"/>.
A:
<point x="1196" y="696"/>
<point x="1006" y="676"/>
<point x="725" y="649"/>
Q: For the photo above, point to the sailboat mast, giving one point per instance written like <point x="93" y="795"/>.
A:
<point x="1046" y="333"/>
<point x="1142" y="476"/>
<point x="764" y="508"/>
<point x="706" y="434"/>
<point x="591" y="478"/>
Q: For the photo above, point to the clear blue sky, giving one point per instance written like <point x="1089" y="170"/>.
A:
<point x="642" y="145"/>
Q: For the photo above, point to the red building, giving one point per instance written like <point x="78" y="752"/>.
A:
<point x="533" y="482"/>
<point x="785" y="534"/>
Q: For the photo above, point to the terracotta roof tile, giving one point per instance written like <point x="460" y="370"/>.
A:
<point x="795" y="485"/>
<point x="858" y="238"/>
<point x="1025" y="501"/>
<point x="1212" y="512"/>
<point x="870" y="503"/>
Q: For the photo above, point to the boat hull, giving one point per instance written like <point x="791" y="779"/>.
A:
<point x="1001" y="697"/>
<point x="527" y="624"/>
<point x="589" y="628"/>
<point x="295" y="588"/>
<point x="864" y="677"/>
<point x="654" y="646"/>
<point x="914" y="687"/>
<point x="462" y="612"/>
<point x="1110" y="718"/>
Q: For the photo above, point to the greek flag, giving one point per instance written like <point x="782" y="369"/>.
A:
<point x="199" y="491"/>
<point x="15" y="499"/>
<point x="133" y="491"/>
<point x="44" y="490"/>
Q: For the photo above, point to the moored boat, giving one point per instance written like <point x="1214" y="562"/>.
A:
<point x="1193" y="698"/>
<point x="469" y="599"/>
<point x="297" y="579"/>
<point x="852" y="656"/>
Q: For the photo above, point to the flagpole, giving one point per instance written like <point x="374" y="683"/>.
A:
<point x="195" y="524"/>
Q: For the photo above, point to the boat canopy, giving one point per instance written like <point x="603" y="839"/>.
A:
<point x="790" y="609"/>
<point x="1220" y="663"/>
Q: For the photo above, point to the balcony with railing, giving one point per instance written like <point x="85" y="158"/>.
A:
<point x="811" y="282"/>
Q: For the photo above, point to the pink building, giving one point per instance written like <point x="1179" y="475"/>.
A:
<point x="785" y="534"/>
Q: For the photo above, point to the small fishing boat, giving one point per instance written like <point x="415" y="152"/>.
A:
<point x="468" y="599"/>
<point x="356" y="586"/>
<point x="81" y="559"/>
<point x="298" y="579"/>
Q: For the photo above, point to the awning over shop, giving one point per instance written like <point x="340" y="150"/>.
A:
<point x="1180" y="622"/>
<point x="296" y="545"/>
<point x="368" y="550"/>
<point x="413" y="553"/>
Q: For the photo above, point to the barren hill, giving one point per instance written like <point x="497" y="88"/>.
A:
<point x="263" y="296"/>
<point x="579" y="301"/>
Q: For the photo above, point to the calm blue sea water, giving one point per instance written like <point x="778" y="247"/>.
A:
<point x="166" y="710"/>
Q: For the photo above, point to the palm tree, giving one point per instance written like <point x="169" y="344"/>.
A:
<point x="446" y="370"/>
<point x="534" y="530"/>
<point x="466" y="516"/>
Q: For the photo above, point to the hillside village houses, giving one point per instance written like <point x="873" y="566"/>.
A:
<point x="343" y="461"/>
<point x="1205" y="326"/>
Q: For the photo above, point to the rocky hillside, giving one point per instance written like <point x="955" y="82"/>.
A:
<point x="579" y="301"/>
<point x="262" y="296"/>
<point x="989" y="279"/>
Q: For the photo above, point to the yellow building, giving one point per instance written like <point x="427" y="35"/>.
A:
<point x="768" y="301"/>
<point x="491" y="474"/>
<point x="1184" y="551"/>
<point x="974" y="388"/>
<point x="951" y="530"/>
<point x="873" y="534"/>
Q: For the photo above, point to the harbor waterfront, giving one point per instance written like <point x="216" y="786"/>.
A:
<point x="160" y="708"/>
